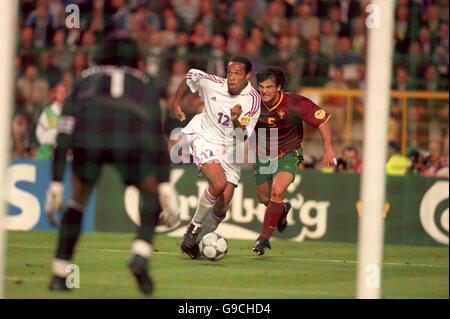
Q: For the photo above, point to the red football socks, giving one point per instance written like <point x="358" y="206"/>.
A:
<point x="273" y="213"/>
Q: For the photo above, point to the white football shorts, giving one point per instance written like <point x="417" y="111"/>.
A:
<point x="204" y="152"/>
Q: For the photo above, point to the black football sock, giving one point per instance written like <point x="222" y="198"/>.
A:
<point x="69" y="231"/>
<point x="149" y="213"/>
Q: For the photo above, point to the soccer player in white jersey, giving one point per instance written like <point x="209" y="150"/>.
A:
<point x="232" y="108"/>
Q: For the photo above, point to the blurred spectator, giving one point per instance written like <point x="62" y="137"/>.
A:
<point x="443" y="10"/>
<point x="88" y="46"/>
<point x="218" y="57"/>
<point x="62" y="57"/>
<point x="180" y="51"/>
<point x="286" y="58"/>
<point x="336" y="104"/>
<point x="47" y="125"/>
<point x="26" y="49"/>
<point x="426" y="41"/>
<point x="188" y="11"/>
<point x="156" y="61"/>
<point x="347" y="59"/>
<point x="155" y="55"/>
<point x="402" y="80"/>
<point x="236" y="40"/>
<point x="417" y="162"/>
<point x="309" y="162"/>
<point x="434" y="161"/>
<point x="414" y="61"/>
<point x="220" y="23"/>
<point x="33" y="90"/>
<point x="255" y="9"/>
<point x="309" y="24"/>
<point x="443" y="36"/>
<point x="119" y="21"/>
<point x="144" y="10"/>
<point x="328" y="39"/>
<point x="430" y="20"/>
<point x="257" y="38"/>
<point x="56" y="10"/>
<point x="273" y="21"/>
<point x="444" y="171"/>
<point x="79" y="64"/>
<point x="350" y="9"/>
<point x="403" y="30"/>
<point x="179" y="71"/>
<point x="42" y="23"/>
<point x="21" y="133"/>
<point x="97" y="19"/>
<point x="68" y="80"/>
<point x="239" y="16"/>
<point x="253" y="54"/>
<point x="441" y="59"/>
<point x="297" y="43"/>
<point x="47" y="70"/>
<point x="432" y="82"/>
<point x="337" y="81"/>
<point x="339" y="28"/>
<point x="207" y="16"/>
<point x="200" y="38"/>
<point x="169" y="32"/>
<point x="359" y="37"/>
<point x="397" y="164"/>
<point x="350" y="161"/>
<point x="316" y="65"/>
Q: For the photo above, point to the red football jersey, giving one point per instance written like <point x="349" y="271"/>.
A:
<point x="288" y="116"/>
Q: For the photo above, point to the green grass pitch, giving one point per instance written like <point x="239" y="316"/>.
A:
<point x="289" y="270"/>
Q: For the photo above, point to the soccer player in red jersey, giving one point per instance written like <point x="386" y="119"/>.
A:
<point x="277" y="158"/>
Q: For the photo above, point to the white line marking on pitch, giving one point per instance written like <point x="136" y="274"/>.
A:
<point x="334" y="261"/>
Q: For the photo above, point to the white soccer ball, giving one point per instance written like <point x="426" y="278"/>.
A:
<point x="214" y="246"/>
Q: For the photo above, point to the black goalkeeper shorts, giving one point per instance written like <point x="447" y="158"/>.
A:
<point x="134" y="166"/>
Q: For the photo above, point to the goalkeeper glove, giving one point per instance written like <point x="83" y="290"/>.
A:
<point x="54" y="200"/>
<point x="168" y="199"/>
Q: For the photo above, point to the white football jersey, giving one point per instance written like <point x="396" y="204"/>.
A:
<point x="214" y="123"/>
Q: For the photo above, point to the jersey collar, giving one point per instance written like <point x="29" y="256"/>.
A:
<point x="276" y="104"/>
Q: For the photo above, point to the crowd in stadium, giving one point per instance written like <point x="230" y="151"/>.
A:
<point x="318" y="43"/>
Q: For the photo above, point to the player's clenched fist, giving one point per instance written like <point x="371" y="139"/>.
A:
<point x="235" y="112"/>
<point x="175" y="109"/>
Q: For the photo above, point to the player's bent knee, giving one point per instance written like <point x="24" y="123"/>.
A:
<point x="218" y="187"/>
<point x="263" y="199"/>
<point x="277" y="194"/>
<point x="149" y="186"/>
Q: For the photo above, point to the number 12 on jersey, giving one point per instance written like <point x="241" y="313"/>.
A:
<point x="224" y="119"/>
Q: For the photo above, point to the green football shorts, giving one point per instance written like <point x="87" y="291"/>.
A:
<point x="286" y="163"/>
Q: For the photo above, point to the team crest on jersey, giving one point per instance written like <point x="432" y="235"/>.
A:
<point x="245" y="120"/>
<point x="319" y="114"/>
<point x="281" y="114"/>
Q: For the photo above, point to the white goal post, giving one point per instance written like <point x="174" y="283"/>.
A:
<point x="376" y="113"/>
<point x="8" y="37"/>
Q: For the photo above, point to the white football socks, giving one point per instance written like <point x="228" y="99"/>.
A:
<point x="205" y="205"/>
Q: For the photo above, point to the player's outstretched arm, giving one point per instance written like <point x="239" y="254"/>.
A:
<point x="175" y="104"/>
<point x="329" y="158"/>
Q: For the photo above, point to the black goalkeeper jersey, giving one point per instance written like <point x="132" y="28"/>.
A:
<point x="110" y="108"/>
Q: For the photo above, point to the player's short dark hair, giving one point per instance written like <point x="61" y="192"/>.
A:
<point x="118" y="51"/>
<point x="272" y="72"/>
<point x="245" y="61"/>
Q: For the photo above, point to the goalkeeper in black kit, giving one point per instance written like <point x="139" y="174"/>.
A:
<point x="112" y="117"/>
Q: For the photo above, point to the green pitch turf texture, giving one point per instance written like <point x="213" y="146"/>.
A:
<point x="289" y="270"/>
